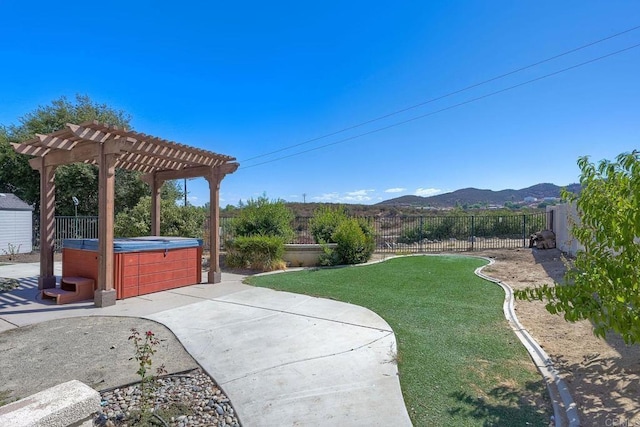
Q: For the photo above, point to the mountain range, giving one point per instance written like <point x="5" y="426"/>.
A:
<point x="472" y="196"/>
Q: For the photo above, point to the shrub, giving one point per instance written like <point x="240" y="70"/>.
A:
<point x="256" y="252"/>
<point x="325" y="222"/>
<point x="355" y="238"/>
<point x="413" y="234"/>
<point x="446" y="227"/>
<point x="185" y="221"/>
<point x="264" y="217"/>
<point x="356" y="242"/>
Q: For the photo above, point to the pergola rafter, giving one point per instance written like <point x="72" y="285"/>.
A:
<point x="109" y="148"/>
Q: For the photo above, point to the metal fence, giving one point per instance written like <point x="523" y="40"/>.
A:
<point x="401" y="234"/>
<point x="68" y="227"/>
<point x="437" y="233"/>
<point x="455" y="233"/>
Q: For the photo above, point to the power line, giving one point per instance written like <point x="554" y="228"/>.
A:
<point x="447" y="108"/>
<point x="535" y="64"/>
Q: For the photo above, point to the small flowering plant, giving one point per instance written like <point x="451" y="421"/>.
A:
<point x="145" y="348"/>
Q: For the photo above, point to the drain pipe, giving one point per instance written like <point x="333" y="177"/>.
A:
<point x="564" y="408"/>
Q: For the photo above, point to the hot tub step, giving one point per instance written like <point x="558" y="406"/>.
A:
<point x="72" y="289"/>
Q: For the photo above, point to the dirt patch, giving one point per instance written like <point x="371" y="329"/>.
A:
<point x="94" y="350"/>
<point x="603" y="375"/>
<point x="22" y="258"/>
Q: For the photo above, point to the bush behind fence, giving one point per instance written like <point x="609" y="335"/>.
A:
<point x="402" y="234"/>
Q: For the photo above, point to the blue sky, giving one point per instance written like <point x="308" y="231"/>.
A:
<point x="249" y="78"/>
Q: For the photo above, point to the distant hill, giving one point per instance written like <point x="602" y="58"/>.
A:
<point x="472" y="196"/>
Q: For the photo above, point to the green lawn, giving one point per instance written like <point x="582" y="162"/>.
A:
<point x="460" y="363"/>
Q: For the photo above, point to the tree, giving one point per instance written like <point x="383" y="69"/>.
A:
<point x="185" y="221"/>
<point x="603" y="286"/>
<point x="171" y="191"/>
<point x="79" y="180"/>
<point x="16" y="176"/>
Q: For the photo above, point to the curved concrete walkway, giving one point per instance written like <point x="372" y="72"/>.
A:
<point x="283" y="359"/>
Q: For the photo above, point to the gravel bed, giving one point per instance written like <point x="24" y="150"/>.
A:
<point x="192" y="398"/>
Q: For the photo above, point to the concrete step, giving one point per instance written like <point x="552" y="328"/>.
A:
<point x="66" y="404"/>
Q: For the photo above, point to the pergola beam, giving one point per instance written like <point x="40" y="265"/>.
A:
<point x="157" y="162"/>
<point x="162" y="151"/>
<point x="56" y="142"/>
<point x="30" y="150"/>
<point x="89" y="134"/>
<point x="195" y="172"/>
<point x="80" y="153"/>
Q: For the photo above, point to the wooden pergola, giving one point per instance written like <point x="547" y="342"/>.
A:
<point x="111" y="147"/>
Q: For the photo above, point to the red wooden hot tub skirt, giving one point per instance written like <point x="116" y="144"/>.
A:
<point x="139" y="273"/>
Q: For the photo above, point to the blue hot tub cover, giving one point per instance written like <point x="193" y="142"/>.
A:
<point x="135" y="244"/>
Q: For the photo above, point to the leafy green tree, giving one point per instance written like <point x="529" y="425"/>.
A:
<point x="604" y="284"/>
<point x="136" y="221"/>
<point x="129" y="189"/>
<point x="79" y="180"/>
<point x="171" y="191"/>
<point x="184" y="221"/>
<point x="16" y="176"/>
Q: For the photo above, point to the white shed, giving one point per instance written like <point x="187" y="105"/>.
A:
<point x="16" y="225"/>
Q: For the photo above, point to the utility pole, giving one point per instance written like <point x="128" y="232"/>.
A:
<point x="185" y="191"/>
<point x="304" y="197"/>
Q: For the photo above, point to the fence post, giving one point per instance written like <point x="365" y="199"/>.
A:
<point x="473" y="231"/>
<point x="420" y="246"/>
<point x="524" y="230"/>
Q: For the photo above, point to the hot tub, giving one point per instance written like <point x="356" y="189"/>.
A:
<point x="141" y="265"/>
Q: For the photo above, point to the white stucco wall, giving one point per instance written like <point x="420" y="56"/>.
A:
<point x="564" y="216"/>
<point x="16" y="228"/>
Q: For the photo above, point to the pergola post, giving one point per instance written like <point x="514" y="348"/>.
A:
<point x="214" y="178"/>
<point x="156" y="201"/>
<point x="47" y="279"/>
<point x="105" y="295"/>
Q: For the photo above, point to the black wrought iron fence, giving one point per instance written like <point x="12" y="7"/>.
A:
<point x="401" y="234"/>
<point x="456" y="233"/>
<point x="438" y="233"/>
